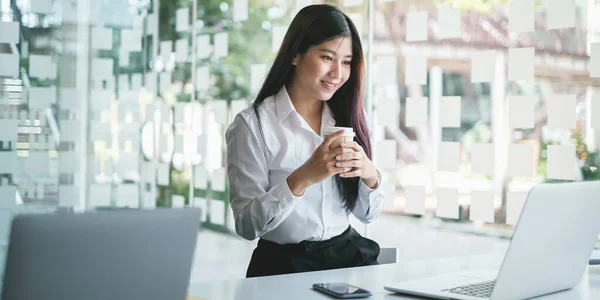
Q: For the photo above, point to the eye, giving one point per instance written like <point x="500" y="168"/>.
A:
<point x="347" y="62"/>
<point x="328" y="58"/>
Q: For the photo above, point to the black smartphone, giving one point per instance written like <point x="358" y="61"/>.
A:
<point x="341" y="290"/>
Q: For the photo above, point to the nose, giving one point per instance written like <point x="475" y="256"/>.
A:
<point x="336" y="70"/>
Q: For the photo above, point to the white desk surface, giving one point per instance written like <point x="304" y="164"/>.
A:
<point x="372" y="278"/>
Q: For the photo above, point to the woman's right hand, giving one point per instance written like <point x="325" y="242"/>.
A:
<point x="320" y="166"/>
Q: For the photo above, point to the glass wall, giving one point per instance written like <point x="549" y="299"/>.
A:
<point x="125" y="103"/>
<point x="490" y="98"/>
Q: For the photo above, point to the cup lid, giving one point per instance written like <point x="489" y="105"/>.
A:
<point x="348" y="131"/>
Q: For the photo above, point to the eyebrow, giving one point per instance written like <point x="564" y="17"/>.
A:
<point x="332" y="52"/>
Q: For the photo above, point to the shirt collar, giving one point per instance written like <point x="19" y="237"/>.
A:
<point x="284" y="106"/>
<point x="327" y="118"/>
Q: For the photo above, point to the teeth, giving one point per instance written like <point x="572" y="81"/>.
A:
<point x="328" y="84"/>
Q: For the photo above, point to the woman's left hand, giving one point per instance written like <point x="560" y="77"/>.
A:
<point x="361" y="165"/>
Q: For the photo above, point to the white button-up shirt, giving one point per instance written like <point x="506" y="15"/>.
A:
<point x="261" y="200"/>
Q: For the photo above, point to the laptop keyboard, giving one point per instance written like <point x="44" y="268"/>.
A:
<point x="481" y="290"/>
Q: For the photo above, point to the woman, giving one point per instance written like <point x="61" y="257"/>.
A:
<point x="287" y="187"/>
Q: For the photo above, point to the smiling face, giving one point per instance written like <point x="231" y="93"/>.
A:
<point x="324" y="68"/>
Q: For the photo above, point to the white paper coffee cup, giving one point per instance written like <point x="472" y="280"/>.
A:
<point x="348" y="131"/>
<point x="348" y="135"/>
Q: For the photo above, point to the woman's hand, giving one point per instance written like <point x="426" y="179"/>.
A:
<point x="320" y="166"/>
<point x="361" y="165"/>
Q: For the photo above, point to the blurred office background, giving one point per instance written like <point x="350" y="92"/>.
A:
<point x="119" y="103"/>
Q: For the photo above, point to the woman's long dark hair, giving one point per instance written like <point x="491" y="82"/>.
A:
<point x="312" y="26"/>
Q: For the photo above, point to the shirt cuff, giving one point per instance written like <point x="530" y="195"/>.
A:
<point x="283" y="192"/>
<point x="372" y="199"/>
<point x="365" y="189"/>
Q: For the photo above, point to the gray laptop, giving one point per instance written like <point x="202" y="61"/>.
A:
<point x="123" y="254"/>
<point x="549" y="250"/>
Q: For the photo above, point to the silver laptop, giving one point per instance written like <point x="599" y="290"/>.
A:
<point x="549" y="250"/>
<point x="123" y="254"/>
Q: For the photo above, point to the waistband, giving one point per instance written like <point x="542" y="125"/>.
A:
<point x="306" y="246"/>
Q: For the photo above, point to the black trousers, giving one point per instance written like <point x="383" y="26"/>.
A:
<point x="348" y="249"/>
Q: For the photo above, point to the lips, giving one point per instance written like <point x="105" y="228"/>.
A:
<point x="329" y="85"/>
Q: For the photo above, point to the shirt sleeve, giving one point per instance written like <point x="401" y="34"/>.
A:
<point x="256" y="208"/>
<point x="370" y="201"/>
